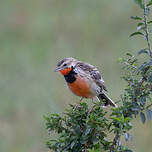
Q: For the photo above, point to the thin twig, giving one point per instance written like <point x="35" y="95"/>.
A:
<point x="146" y="28"/>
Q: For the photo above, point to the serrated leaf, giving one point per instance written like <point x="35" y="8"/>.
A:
<point x="143" y="118"/>
<point x="136" y="33"/>
<point x="136" y="17"/>
<point x="149" y="114"/>
<point x="143" y="51"/>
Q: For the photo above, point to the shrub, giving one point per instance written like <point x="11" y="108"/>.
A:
<point x="78" y="131"/>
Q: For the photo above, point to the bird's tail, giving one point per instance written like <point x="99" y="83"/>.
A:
<point x="107" y="101"/>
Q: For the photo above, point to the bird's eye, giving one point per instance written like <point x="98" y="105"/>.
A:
<point x="65" y="64"/>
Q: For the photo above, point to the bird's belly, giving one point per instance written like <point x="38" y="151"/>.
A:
<point x="81" y="87"/>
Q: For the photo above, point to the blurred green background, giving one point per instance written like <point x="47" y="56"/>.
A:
<point x="34" y="36"/>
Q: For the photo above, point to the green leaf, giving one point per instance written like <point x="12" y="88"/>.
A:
<point x="150" y="3"/>
<point x="139" y="2"/>
<point x="142" y="66"/>
<point x="136" y="33"/>
<point x="120" y="60"/>
<point x="143" y="118"/>
<point x="147" y="11"/>
<point x="150" y="77"/>
<point x="128" y="137"/>
<point x="46" y="118"/>
<point x="150" y="22"/>
<point x="122" y="117"/>
<point x="117" y="118"/>
<point x="78" y="129"/>
<point x="94" y="140"/>
<point x="149" y="114"/>
<point x="150" y="62"/>
<point x="140" y="23"/>
<point x="91" y="150"/>
<point x="129" y="54"/>
<point x="87" y="131"/>
<point x="143" y="51"/>
<point x="136" y="17"/>
<point x="140" y="28"/>
<point x="142" y="100"/>
<point x="72" y="144"/>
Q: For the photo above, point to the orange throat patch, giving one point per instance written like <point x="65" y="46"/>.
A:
<point x="65" y="71"/>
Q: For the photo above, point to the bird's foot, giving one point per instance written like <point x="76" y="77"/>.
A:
<point x="77" y="105"/>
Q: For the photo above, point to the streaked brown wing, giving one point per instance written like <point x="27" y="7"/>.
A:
<point x="93" y="72"/>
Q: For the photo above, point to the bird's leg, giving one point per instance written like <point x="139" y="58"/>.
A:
<point x="91" y="108"/>
<point x="76" y="106"/>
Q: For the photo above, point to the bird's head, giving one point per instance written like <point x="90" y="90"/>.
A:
<point x="65" y="65"/>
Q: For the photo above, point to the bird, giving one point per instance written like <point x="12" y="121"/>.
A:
<point x="84" y="80"/>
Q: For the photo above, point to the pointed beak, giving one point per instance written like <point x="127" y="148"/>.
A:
<point x="57" y="69"/>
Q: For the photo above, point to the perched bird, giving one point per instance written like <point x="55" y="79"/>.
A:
<point x="83" y="80"/>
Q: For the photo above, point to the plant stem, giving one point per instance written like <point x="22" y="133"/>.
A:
<point x="115" y="142"/>
<point x="146" y="28"/>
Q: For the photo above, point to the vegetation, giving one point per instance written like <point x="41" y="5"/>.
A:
<point x="78" y="131"/>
